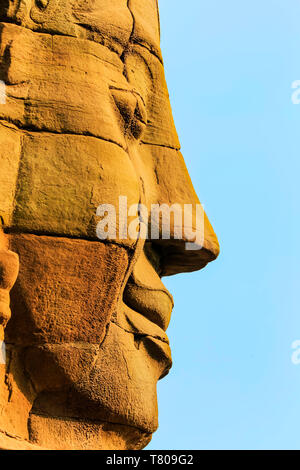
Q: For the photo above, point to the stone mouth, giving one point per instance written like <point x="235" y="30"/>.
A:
<point x="137" y="323"/>
<point x="153" y="338"/>
<point x="146" y="294"/>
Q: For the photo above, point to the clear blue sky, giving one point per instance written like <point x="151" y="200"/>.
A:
<point x="230" y="66"/>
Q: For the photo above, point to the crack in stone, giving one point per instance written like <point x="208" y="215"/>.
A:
<point x="45" y="132"/>
<point x="40" y="233"/>
<point x="160" y="145"/>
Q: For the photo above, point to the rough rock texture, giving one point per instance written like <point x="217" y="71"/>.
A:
<point x="87" y="119"/>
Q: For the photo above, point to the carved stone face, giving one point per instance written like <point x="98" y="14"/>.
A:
<point x="88" y="119"/>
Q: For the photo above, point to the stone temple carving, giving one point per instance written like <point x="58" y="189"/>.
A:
<point x="86" y="119"/>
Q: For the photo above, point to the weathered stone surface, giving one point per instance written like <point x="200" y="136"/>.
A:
<point x="11" y="442"/>
<point x="59" y="191"/>
<point x="66" y="289"/>
<point x="103" y="21"/>
<point x="146" y="28"/>
<point x="59" y="84"/>
<point x="85" y="436"/>
<point x="10" y="152"/>
<point x="145" y="72"/>
<point x="87" y="119"/>
<point x="9" y="268"/>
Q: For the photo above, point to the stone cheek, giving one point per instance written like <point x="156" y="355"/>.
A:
<point x="62" y="180"/>
<point x="66" y="289"/>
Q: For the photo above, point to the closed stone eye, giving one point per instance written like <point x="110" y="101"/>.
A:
<point x="140" y="111"/>
<point x="132" y="110"/>
<point x="139" y="121"/>
<point x="126" y="103"/>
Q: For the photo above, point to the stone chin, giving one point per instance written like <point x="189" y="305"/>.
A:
<point x="116" y="397"/>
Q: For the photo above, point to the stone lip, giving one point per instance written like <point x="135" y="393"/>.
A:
<point x="136" y="323"/>
<point x="154" y="305"/>
<point x="153" y="337"/>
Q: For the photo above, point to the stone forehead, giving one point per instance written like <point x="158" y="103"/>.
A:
<point x="120" y="21"/>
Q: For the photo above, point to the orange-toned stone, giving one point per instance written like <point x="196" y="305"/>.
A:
<point x="87" y="119"/>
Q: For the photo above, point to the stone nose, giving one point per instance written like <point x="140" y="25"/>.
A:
<point x="191" y="242"/>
